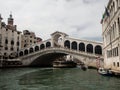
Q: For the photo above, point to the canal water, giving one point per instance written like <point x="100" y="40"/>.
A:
<point x="55" y="79"/>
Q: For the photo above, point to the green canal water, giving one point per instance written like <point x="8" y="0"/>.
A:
<point x="55" y="79"/>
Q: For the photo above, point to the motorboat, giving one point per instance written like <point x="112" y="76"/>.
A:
<point x="64" y="64"/>
<point x="105" y="72"/>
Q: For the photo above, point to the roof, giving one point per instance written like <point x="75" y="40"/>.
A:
<point x="57" y="32"/>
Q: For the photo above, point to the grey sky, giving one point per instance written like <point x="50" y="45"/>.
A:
<point x="77" y="18"/>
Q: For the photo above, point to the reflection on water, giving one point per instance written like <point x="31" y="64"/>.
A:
<point x="55" y="79"/>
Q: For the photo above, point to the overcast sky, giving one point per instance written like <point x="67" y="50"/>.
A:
<point x="77" y="18"/>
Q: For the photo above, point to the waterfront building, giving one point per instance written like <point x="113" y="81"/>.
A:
<point x="10" y="38"/>
<point x="29" y="38"/>
<point x="111" y="35"/>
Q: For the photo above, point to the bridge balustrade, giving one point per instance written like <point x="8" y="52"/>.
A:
<point x="26" y="51"/>
<point x="71" y="46"/>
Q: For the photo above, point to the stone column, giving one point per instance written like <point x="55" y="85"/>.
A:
<point x="77" y="46"/>
<point x="85" y="48"/>
<point x="70" y="45"/>
<point x="52" y="42"/>
<point x="62" y="37"/>
<point x="93" y="49"/>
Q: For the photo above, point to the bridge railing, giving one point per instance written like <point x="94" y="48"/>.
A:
<point x="63" y="49"/>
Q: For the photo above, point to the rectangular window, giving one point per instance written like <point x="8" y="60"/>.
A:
<point x="18" y="38"/>
<point x="108" y="54"/>
<point x="113" y="63"/>
<point x="113" y="52"/>
<point x="117" y="51"/>
<point x="117" y="64"/>
<point x="18" y="49"/>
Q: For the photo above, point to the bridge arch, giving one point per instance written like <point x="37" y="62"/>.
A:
<point x="48" y="44"/>
<point x="47" y="56"/>
<point x="42" y="46"/>
<point x="74" y="45"/>
<point x="89" y="48"/>
<point x="25" y="51"/>
<point x="98" y="49"/>
<point x="67" y="44"/>
<point x="81" y="47"/>
<point x="31" y="50"/>
<point x="21" y="53"/>
<point x="36" y="48"/>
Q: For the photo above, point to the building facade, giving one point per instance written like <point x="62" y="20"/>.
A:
<point x="10" y="38"/>
<point x="111" y="35"/>
<point x="29" y="39"/>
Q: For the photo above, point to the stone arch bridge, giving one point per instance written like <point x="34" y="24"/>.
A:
<point x="59" y="45"/>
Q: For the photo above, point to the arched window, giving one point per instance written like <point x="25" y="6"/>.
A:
<point x="113" y="7"/>
<point x="17" y="54"/>
<point x="21" y="53"/>
<point x="67" y="44"/>
<point x="6" y="48"/>
<point x="90" y="48"/>
<point x="6" y="41"/>
<point x="82" y="47"/>
<point x="74" y="45"/>
<point x="48" y="44"/>
<point x="42" y="46"/>
<point x="18" y="43"/>
<point x="25" y="45"/>
<point x="25" y="52"/>
<point x="11" y="56"/>
<point x="118" y="24"/>
<point x="31" y="50"/>
<point x="5" y="56"/>
<point x="36" y="48"/>
<point x="11" y="48"/>
<point x="12" y="42"/>
<point x="98" y="50"/>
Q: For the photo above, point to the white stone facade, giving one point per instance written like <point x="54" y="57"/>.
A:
<point x="111" y="35"/>
<point x="10" y="38"/>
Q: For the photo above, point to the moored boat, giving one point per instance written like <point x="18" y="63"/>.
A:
<point x="105" y="72"/>
<point x="64" y="64"/>
<point x="10" y="63"/>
